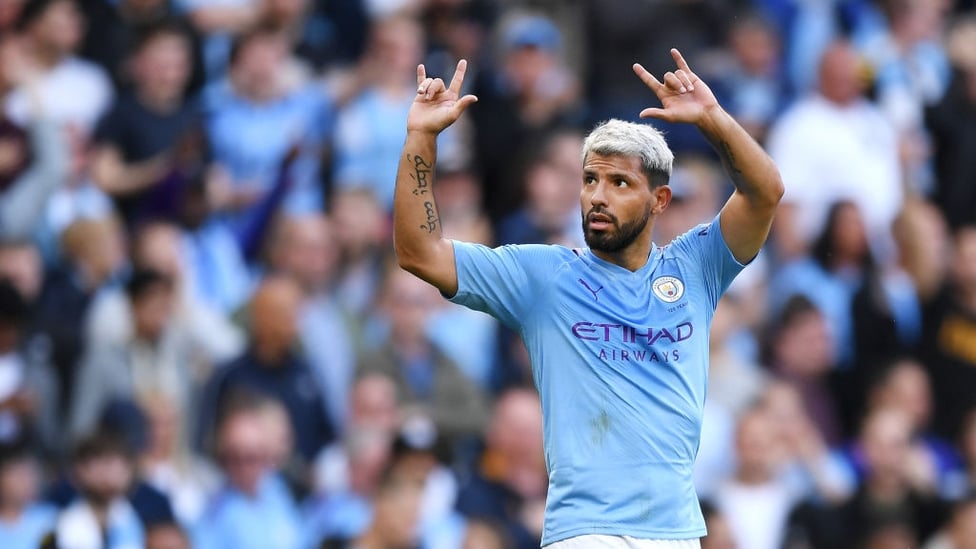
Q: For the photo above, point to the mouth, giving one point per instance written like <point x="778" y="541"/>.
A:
<point x="599" y="221"/>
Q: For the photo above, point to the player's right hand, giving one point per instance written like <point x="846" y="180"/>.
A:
<point x="437" y="106"/>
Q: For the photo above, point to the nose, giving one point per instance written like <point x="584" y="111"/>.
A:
<point x="598" y="196"/>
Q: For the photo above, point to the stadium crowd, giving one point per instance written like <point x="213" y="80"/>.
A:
<point x="206" y="342"/>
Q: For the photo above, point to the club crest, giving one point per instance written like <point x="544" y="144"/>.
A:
<point x="668" y="288"/>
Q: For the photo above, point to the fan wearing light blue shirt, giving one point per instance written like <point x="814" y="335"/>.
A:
<point x="617" y="332"/>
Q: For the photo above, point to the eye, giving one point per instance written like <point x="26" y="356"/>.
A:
<point x="622" y="183"/>
<point x="589" y="180"/>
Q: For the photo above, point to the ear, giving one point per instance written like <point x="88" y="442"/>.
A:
<point x="663" y="196"/>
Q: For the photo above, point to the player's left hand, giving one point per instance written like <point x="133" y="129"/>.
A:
<point x="684" y="96"/>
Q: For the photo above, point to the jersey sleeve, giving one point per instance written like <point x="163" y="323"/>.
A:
<point x="504" y="282"/>
<point x="706" y="246"/>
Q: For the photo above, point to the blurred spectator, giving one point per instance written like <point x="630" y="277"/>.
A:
<point x="887" y="311"/>
<point x="395" y="514"/>
<point x="113" y="28"/>
<point x="28" y="388"/>
<point x="149" y="143"/>
<point x="551" y="213"/>
<point x="830" y="145"/>
<point x="719" y="532"/>
<point x="426" y="379"/>
<point x="801" y="354"/>
<point x="458" y="192"/>
<point x="952" y="123"/>
<point x="24" y="521"/>
<point x="733" y="382"/>
<point x="33" y="155"/>
<point x="166" y="536"/>
<point x="835" y="270"/>
<point x="168" y="464"/>
<point x="254" y="509"/>
<point x="154" y="358"/>
<point x="813" y="469"/>
<point x="756" y="500"/>
<point x="373" y="413"/>
<point x="528" y="91"/>
<point x="904" y="385"/>
<point x="363" y="232"/>
<point x="342" y="508"/>
<point x="887" y="502"/>
<point x="209" y="336"/>
<point x="271" y="367"/>
<point x="257" y="120"/>
<point x="101" y="515"/>
<point x="367" y="138"/>
<point x="305" y="249"/>
<point x="750" y="81"/>
<point x="218" y="22"/>
<point x="216" y="270"/>
<point x="93" y="256"/>
<point x="949" y="343"/>
<point x="911" y="71"/>
<point x="507" y="482"/>
<point x="73" y="92"/>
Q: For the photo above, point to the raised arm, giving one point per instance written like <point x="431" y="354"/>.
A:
<point x="420" y="247"/>
<point x="747" y="216"/>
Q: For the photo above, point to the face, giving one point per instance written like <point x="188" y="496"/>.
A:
<point x="60" y="28"/>
<point x="755" y="444"/>
<point x="152" y="310"/>
<point x="308" y="252"/>
<point x="19" y="482"/>
<point x="396" y="512"/>
<point x="964" y="259"/>
<point x="908" y="390"/>
<point x="805" y="347"/>
<point x="22" y="266"/>
<point x="244" y="451"/>
<point x="617" y="202"/>
<point x="274" y="315"/>
<point x="104" y="478"/>
<point x="163" y="66"/>
<point x="886" y="443"/>
<point x="166" y="537"/>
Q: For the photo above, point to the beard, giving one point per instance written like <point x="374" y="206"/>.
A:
<point x="617" y="239"/>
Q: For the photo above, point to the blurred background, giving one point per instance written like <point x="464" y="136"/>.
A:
<point x="205" y="341"/>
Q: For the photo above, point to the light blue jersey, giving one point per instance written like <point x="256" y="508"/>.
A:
<point x="620" y="359"/>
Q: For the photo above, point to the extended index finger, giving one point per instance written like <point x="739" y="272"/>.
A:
<point x="680" y="60"/>
<point x="421" y="74"/>
<point x="458" y="79"/>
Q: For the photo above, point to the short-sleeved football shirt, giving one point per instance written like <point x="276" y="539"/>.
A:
<point x="620" y="359"/>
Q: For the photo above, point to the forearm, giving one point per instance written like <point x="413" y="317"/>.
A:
<point x="116" y="177"/>
<point x="416" y="223"/>
<point x="751" y="170"/>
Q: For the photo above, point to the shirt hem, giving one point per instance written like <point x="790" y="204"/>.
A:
<point x="617" y="531"/>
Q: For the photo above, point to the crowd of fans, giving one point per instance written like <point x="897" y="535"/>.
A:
<point x="205" y="341"/>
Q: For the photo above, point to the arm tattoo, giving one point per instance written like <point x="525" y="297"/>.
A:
<point x="728" y="157"/>
<point x="421" y="171"/>
<point x="432" y="218"/>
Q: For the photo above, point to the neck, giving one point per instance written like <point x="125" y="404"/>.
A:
<point x="45" y="57"/>
<point x="157" y="103"/>
<point x="269" y="354"/>
<point x="886" y="489"/>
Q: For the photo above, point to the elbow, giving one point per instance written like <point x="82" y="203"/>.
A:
<point x="773" y="192"/>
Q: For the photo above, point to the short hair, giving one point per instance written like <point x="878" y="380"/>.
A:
<point x="619" y="138"/>
<point x="143" y="281"/>
<point x="34" y="10"/>
<point x="148" y="33"/>
<point x="100" y="444"/>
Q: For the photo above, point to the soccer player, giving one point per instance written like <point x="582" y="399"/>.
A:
<point x="617" y="332"/>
